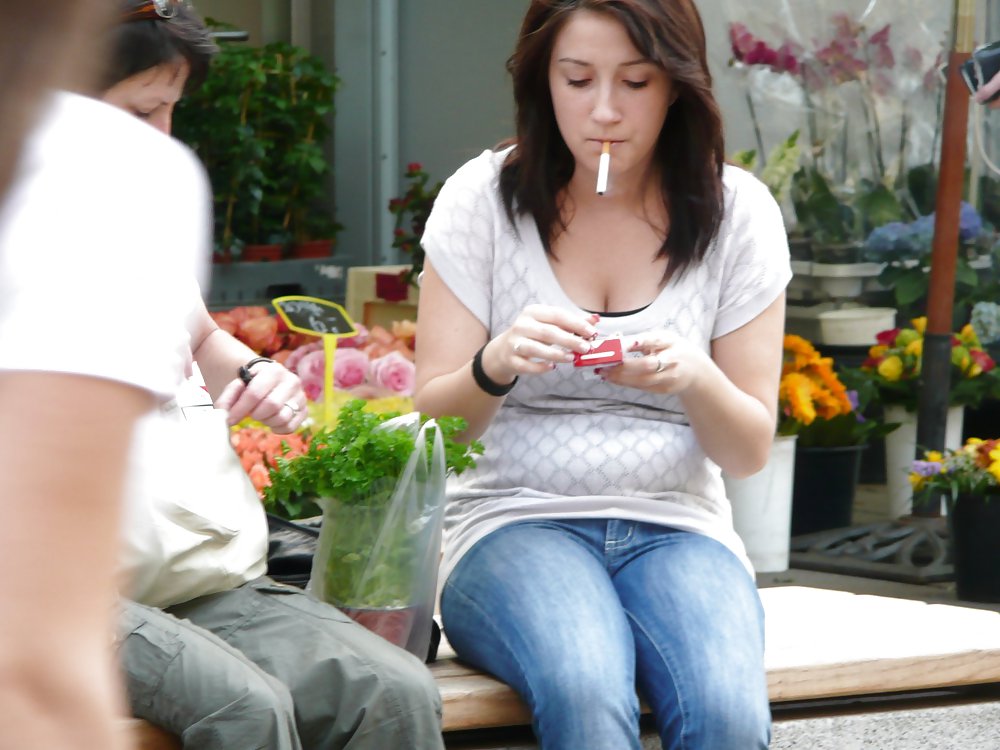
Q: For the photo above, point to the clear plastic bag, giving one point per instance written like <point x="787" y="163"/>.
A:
<point x="377" y="555"/>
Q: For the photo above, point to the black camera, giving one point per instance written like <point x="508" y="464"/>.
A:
<point x="981" y="67"/>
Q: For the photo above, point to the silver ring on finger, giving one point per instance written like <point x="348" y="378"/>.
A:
<point x="517" y="346"/>
<point x="291" y="407"/>
<point x="659" y="364"/>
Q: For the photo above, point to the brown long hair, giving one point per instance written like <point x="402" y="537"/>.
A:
<point x="690" y="149"/>
<point x="44" y="44"/>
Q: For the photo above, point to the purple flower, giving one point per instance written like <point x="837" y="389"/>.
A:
<point x="926" y="468"/>
<point x="852" y="396"/>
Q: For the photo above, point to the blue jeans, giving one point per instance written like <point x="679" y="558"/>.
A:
<point x="576" y="615"/>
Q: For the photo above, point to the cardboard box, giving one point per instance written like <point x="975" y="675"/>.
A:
<point x="361" y="292"/>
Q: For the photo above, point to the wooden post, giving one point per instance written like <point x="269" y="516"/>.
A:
<point x="932" y="409"/>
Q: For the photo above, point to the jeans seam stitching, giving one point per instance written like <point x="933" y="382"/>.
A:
<point x="681" y="703"/>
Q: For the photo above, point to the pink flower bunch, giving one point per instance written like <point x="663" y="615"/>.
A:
<point x="389" y="374"/>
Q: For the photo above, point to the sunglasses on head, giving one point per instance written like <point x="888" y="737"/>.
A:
<point x="154" y="10"/>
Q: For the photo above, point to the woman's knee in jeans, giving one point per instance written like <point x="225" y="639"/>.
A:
<point x="728" y="718"/>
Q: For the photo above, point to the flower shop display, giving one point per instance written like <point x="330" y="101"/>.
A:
<point x="380" y="481"/>
<point x="894" y="366"/>
<point x="411" y="210"/>
<point x="828" y="419"/>
<point x="969" y="478"/>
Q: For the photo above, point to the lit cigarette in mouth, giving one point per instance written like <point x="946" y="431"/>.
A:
<point x="602" y="168"/>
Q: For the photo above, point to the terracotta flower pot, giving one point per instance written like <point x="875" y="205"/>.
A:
<point x="252" y="253"/>
<point x="313" y="249"/>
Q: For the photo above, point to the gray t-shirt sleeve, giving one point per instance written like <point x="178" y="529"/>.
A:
<point x="460" y="235"/>
<point x="756" y="266"/>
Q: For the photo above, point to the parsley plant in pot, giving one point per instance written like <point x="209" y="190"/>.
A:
<point x="379" y="478"/>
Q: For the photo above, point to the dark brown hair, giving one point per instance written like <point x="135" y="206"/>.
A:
<point x="690" y="150"/>
<point x="136" y="46"/>
<point x="44" y="44"/>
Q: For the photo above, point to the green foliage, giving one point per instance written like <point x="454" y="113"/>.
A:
<point x="411" y="211"/>
<point x="779" y="168"/>
<point x="259" y="123"/>
<point x="348" y="461"/>
<point x="830" y="219"/>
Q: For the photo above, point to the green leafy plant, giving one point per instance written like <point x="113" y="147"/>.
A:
<point x="778" y="169"/>
<point x="348" y="461"/>
<point x="259" y="123"/>
<point x="830" y="218"/>
<point x="411" y="210"/>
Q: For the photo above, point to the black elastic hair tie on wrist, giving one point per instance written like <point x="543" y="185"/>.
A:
<point x="484" y="381"/>
<point x="244" y="372"/>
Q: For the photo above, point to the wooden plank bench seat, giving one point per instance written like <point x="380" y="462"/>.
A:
<point x="820" y="644"/>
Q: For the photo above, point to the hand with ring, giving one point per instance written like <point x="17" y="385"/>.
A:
<point x="541" y="337"/>
<point x="671" y="364"/>
<point x="274" y="396"/>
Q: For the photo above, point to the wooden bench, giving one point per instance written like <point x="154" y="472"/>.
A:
<point x="820" y="644"/>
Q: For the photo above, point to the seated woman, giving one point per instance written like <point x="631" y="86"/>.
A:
<point x="592" y="549"/>
<point x="213" y="649"/>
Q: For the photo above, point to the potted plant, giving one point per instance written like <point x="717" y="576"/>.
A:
<point x="894" y="366"/>
<point x="379" y="478"/>
<point x="259" y="123"/>
<point x="817" y="407"/>
<point x="969" y="479"/>
<point x="904" y="251"/>
<point x="411" y="210"/>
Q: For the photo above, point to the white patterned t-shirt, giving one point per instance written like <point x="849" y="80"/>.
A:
<point x="564" y="446"/>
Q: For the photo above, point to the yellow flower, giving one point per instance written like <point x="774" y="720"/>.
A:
<point x="797" y="391"/>
<point x="968" y="336"/>
<point x="891" y="368"/>
<point x="994" y="469"/>
<point x="906" y="336"/>
<point x="934" y="456"/>
<point x="915" y="348"/>
<point x="920" y="324"/>
<point x="877" y="351"/>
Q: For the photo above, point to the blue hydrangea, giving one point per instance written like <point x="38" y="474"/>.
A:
<point x="986" y="321"/>
<point x="899" y="241"/>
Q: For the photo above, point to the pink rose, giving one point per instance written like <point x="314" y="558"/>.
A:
<point x="350" y="368"/>
<point x="354" y="342"/>
<point x="310" y="372"/>
<point x="394" y="372"/>
<point x="292" y="363"/>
